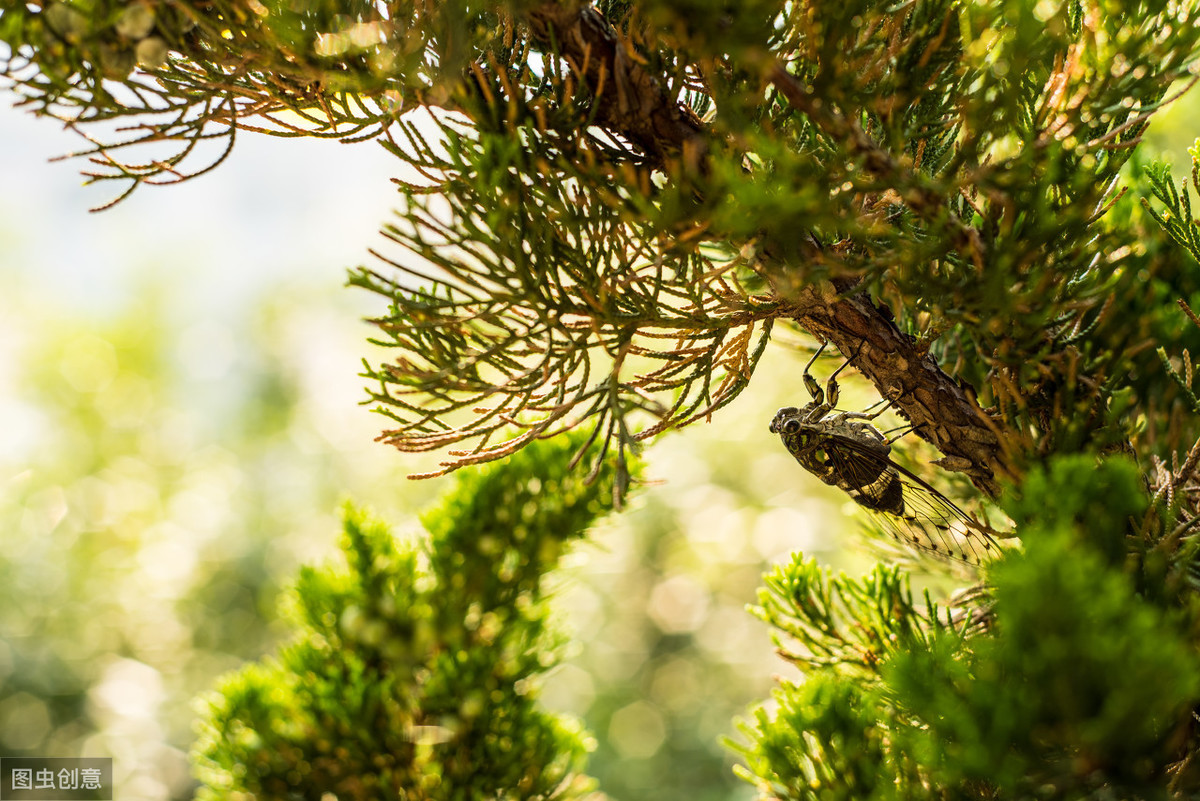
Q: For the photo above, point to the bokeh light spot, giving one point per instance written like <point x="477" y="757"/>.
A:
<point x="637" y="731"/>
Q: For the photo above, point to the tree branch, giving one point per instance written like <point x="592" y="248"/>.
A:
<point x="940" y="409"/>
<point x="633" y="103"/>
<point x="629" y="100"/>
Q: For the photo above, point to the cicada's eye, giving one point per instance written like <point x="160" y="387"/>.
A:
<point x="791" y="426"/>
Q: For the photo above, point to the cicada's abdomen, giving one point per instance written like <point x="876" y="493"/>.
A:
<point x="885" y="494"/>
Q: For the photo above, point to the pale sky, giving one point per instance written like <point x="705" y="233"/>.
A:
<point x="275" y="208"/>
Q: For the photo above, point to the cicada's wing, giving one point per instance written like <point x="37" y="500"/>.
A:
<point x="859" y="468"/>
<point x="948" y="534"/>
<point x="907" y="507"/>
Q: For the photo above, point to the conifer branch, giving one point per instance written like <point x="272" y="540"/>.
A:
<point x="629" y="100"/>
<point x="941" y="410"/>
<point x="938" y="407"/>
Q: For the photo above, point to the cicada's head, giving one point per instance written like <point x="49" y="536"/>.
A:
<point x="782" y="417"/>
<point x="789" y="424"/>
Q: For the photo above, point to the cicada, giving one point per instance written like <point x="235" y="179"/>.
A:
<point x="845" y="450"/>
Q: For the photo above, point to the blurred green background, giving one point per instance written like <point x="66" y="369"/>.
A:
<point x="180" y="418"/>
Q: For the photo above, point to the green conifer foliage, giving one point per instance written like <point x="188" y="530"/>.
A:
<point x="1081" y="686"/>
<point x="414" y="672"/>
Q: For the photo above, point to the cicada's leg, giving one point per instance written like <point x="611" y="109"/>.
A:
<point x="832" y="385"/>
<point x="814" y="389"/>
<point x="867" y="414"/>
<point x="904" y="430"/>
<point x="884" y="402"/>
